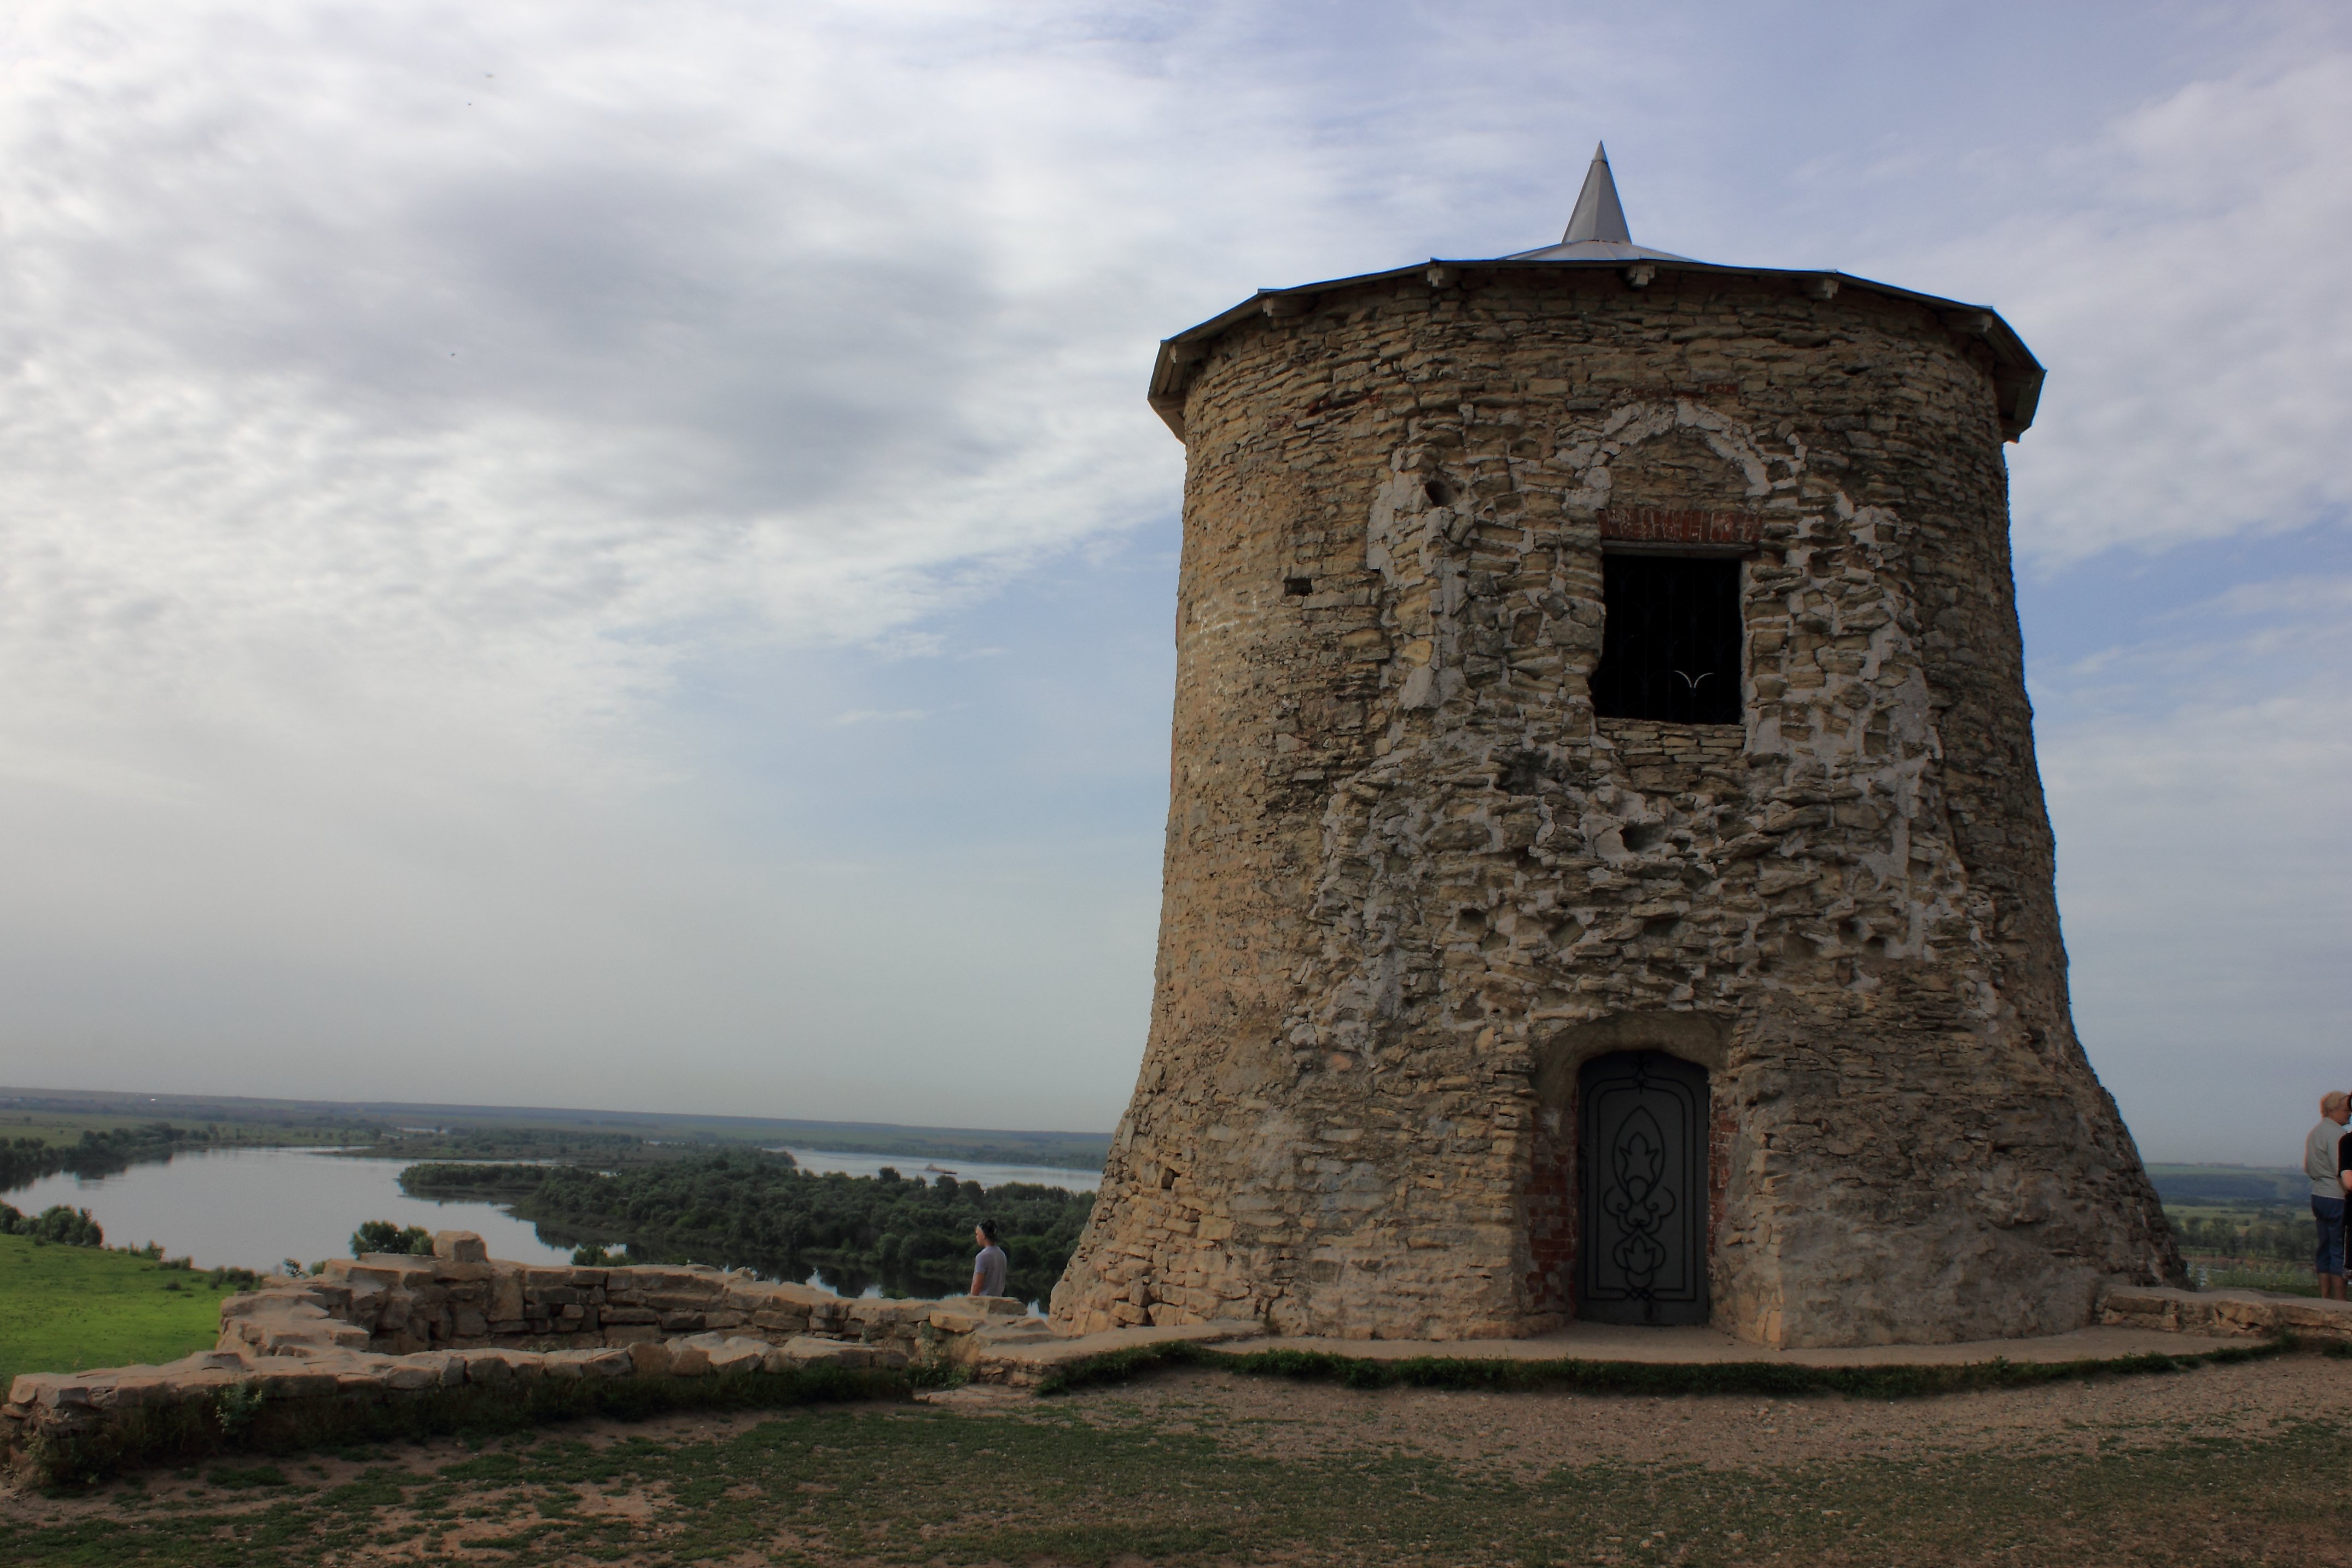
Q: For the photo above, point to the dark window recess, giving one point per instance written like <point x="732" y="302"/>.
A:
<point x="1670" y="647"/>
<point x="1299" y="587"/>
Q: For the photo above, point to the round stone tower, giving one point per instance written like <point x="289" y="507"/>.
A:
<point x="1607" y="874"/>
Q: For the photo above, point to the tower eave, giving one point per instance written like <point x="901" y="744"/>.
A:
<point x="2017" y="375"/>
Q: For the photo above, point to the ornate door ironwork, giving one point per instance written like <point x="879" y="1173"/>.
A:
<point x="1642" y="1159"/>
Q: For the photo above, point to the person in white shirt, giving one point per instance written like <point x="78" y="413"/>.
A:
<point x="2328" y="1189"/>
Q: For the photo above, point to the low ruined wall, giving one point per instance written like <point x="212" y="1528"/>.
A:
<point x="460" y="1300"/>
<point x="387" y="1327"/>
<point x="2252" y="1314"/>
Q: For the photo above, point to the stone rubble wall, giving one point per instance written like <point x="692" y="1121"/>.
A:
<point x="2253" y="1314"/>
<point x="386" y="1326"/>
<point x="1412" y="880"/>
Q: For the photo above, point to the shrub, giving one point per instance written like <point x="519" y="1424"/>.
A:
<point x="387" y="1236"/>
<point x="67" y="1226"/>
<point x="236" y="1407"/>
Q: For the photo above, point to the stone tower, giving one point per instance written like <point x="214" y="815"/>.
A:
<point x="1607" y="873"/>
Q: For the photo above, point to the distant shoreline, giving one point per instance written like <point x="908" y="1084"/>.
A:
<point x="399" y="1120"/>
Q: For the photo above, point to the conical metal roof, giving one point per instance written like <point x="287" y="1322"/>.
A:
<point x="1599" y="238"/>
<point x="1596" y="229"/>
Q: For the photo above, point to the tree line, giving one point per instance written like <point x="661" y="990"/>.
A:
<point x="2273" y="1233"/>
<point x="26" y="1160"/>
<point x="751" y="1208"/>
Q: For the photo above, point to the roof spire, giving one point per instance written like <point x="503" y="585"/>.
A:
<point x="1596" y="230"/>
<point x="1599" y="215"/>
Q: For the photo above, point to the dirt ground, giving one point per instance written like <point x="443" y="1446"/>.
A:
<point x="1532" y="1433"/>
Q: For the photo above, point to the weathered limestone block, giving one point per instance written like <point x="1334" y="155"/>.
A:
<point x="772" y="1304"/>
<point x="498" y="1365"/>
<point x="586" y="1364"/>
<point x="459" y="1246"/>
<point x="291" y="1323"/>
<point x="957" y="1319"/>
<point x="781" y="1320"/>
<point x="506" y="1293"/>
<point x="281" y="1382"/>
<point x="715" y="1353"/>
<point x="806" y="1351"/>
<point x="888" y="1322"/>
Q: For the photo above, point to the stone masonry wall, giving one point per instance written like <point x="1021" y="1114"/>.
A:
<point x="1410" y="881"/>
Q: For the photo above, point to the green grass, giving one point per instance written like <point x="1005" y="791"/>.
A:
<point x="905" y="1485"/>
<point x="243" y="1421"/>
<point x="65" y="1308"/>
<point x="2210" y="1272"/>
<point x="63" y="1128"/>
<point x="1655" y="1378"/>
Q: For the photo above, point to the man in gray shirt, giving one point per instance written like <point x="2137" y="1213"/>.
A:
<point x="2319" y="1163"/>
<point x="988" y="1269"/>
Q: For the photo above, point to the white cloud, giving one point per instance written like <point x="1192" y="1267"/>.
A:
<point x="2180" y="275"/>
<point x="404" y="411"/>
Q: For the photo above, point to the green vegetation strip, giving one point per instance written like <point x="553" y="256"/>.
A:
<point x="1501" y="1375"/>
<point x="241" y="1420"/>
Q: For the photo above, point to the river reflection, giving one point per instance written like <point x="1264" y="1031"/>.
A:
<point x="914" y="1167"/>
<point x="252" y="1208"/>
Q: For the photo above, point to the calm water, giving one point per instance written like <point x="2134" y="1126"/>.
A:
<point x="253" y="1207"/>
<point x="824" y="1161"/>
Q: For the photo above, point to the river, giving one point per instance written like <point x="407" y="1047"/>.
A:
<point x="252" y="1208"/>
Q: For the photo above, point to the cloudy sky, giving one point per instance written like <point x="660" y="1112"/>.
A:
<point x="614" y="555"/>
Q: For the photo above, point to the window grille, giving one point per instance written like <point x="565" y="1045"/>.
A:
<point x="1670" y="646"/>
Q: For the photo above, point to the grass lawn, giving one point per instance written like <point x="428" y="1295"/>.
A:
<point x="65" y="1308"/>
<point x="1059" y="1484"/>
<point x="65" y="1128"/>
<point x="2214" y="1271"/>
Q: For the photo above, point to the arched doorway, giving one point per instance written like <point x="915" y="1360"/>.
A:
<point x="1642" y="1142"/>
